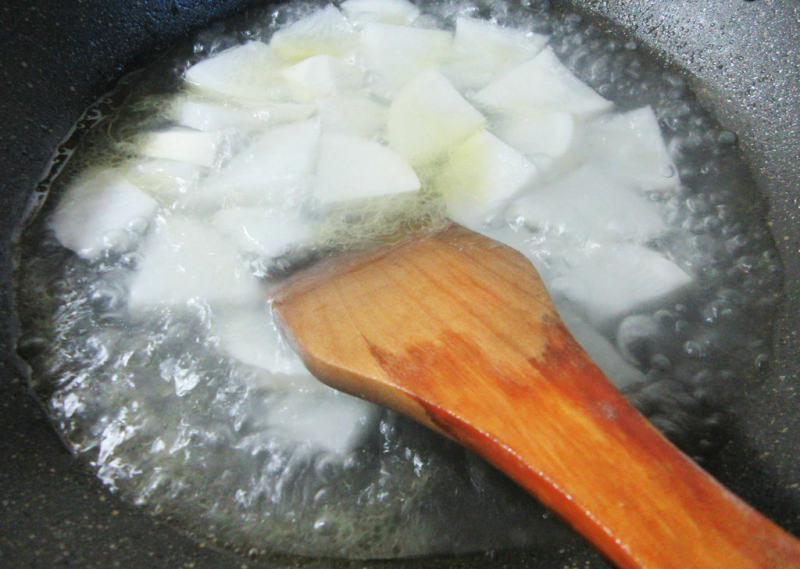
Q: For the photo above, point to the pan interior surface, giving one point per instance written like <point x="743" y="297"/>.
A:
<point x="748" y="359"/>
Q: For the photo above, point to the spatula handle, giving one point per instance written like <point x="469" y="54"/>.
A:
<point x="458" y="332"/>
<point x="575" y="443"/>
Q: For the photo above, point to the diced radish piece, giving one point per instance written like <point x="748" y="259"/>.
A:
<point x="589" y="205"/>
<point x="482" y="173"/>
<point x="208" y="116"/>
<point x="95" y="213"/>
<point x="330" y="420"/>
<point x="541" y="83"/>
<point x="602" y="351"/>
<point x="541" y="136"/>
<point x="610" y="282"/>
<point x="630" y="146"/>
<point x="325" y="31"/>
<point x="250" y="335"/>
<point x="429" y="117"/>
<point x="321" y="76"/>
<point x="165" y="180"/>
<point x="279" y="113"/>
<point x="182" y="145"/>
<point x="275" y="167"/>
<point x="186" y="259"/>
<point x="352" y="114"/>
<point x="399" y="12"/>
<point x="248" y="72"/>
<point x="483" y="50"/>
<point x="400" y="53"/>
<point x="352" y="168"/>
<point x="261" y="231"/>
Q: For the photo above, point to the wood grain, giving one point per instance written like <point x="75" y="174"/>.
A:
<point x="458" y="332"/>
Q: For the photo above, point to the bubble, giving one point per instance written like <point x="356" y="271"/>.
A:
<point x="694" y="349"/>
<point x="637" y="337"/>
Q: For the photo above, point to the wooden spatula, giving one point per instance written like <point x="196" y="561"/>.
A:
<point x="458" y="332"/>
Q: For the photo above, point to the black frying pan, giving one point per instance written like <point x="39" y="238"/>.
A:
<point x="742" y="58"/>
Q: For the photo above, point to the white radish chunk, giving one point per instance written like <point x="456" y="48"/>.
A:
<point x="429" y="117"/>
<point x="324" y="32"/>
<point x="250" y="336"/>
<point x="601" y="350"/>
<point x="482" y="174"/>
<point x="186" y="259"/>
<point x="182" y="145"/>
<point x="399" y="12"/>
<point x="265" y="232"/>
<point x="541" y="83"/>
<point x="275" y="167"/>
<point x="353" y="114"/>
<point x="329" y="420"/>
<point x="321" y="76"/>
<point x="208" y="116"/>
<point x="352" y="168"/>
<point x="249" y="73"/>
<point x="96" y="212"/>
<point x="589" y="205"/>
<point x="165" y="180"/>
<point x="543" y="137"/>
<point x="483" y="50"/>
<point x="630" y="146"/>
<point x="400" y="53"/>
<point x="610" y="282"/>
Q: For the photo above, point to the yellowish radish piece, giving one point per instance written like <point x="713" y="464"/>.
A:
<point x="429" y="117"/>
<point x="481" y="174"/>
<point x="324" y="32"/>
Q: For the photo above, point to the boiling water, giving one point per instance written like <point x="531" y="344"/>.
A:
<point x="176" y="421"/>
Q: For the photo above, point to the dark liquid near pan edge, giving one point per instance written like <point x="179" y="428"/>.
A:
<point x="187" y="447"/>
